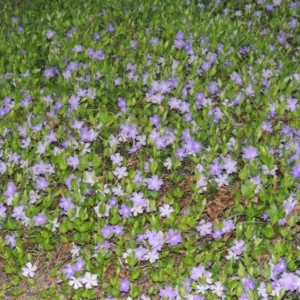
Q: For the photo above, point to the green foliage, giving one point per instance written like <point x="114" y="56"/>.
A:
<point x="221" y="125"/>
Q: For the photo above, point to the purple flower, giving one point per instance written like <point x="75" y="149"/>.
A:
<point x="138" y="199"/>
<point x="10" y="240"/>
<point x="204" y="228"/>
<point x="122" y="104"/>
<point x="264" y="216"/>
<point x="79" y="265"/>
<point x="97" y="36"/>
<point x="179" y="35"/>
<point x="129" y="130"/>
<point x="133" y="44"/>
<point x="248" y="283"/>
<point x="25" y="102"/>
<point x="292" y="104"/>
<point x="216" y="167"/>
<point x="14" y="19"/>
<point x="155" y="239"/>
<point x="295" y="172"/>
<point x="154" y="40"/>
<point x="188" y="48"/>
<point x="250" y="153"/>
<point x="51" y="137"/>
<point x="293" y="5"/>
<point x="239" y="247"/>
<point x="281" y="37"/>
<point x="140" y="253"/>
<point x="74" y="102"/>
<point x="168" y="293"/>
<point x="243" y="297"/>
<point x="73" y="161"/>
<point x="118" y="230"/>
<point x="269" y="7"/>
<point x="265" y="83"/>
<point x="206" y="65"/>
<point x="124" y="285"/>
<point x="154" y="183"/>
<point x="39" y="219"/>
<point x="289" y="205"/>
<point x="280" y="267"/>
<point x="125" y="211"/>
<point x="228" y="226"/>
<point x="187" y="283"/>
<point x="51" y="72"/>
<point x="71" y="31"/>
<point x="66" y="203"/>
<point x="107" y="230"/>
<point x="289" y="282"/>
<point x="179" y="44"/>
<point x="18" y="212"/>
<point x="229" y="165"/>
<point x="173" y="237"/>
<point x="105" y="245"/>
<point x="41" y="183"/>
<point x="11" y="189"/>
<point x="155" y="120"/>
<point x="198" y="272"/>
<point x="267" y="126"/>
<point x="213" y="87"/>
<point x="2" y="210"/>
<point x="69" y="270"/>
<point x="110" y="28"/>
<point x="50" y="34"/>
<point x="236" y="77"/>
<point x="217" y="234"/>
<point x="117" y="159"/>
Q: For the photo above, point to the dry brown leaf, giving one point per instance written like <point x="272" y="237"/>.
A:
<point x="227" y="236"/>
<point x="297" y="209"/>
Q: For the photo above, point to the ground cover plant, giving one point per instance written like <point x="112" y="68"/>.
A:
<point x="149" y="150"/>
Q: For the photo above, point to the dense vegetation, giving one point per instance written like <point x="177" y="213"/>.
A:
<point x="149" y="149"/>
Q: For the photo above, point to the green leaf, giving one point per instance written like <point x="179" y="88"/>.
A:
<point x="135" y="274"/>
<point x="16" y="292"/>
<point x="268" y="231"/>
<point x="248" y="189"/>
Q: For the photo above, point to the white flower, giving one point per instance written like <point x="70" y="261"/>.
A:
<point x="112" y="140"/>
<point x="276" y="291"/>
<point x="29" y="270"/>
<point x="222" y="180"/>
<point x="217" y="288"/>
<point x="55" y="224"/>
<point x="2" y="167"/>
<point x="262" y="292"/>
<point x="89" y="178"/>
<point x="137" y="210"/>
<point x="75" y="251"/>
<point x="231" y="255"/>
<point x="276" y="2"/>
<point x="152" y="256"/>
<point x="75" y="282"/>
<point x="106" y="213"/>
<point x="126" y="254"/>
<point x="168" y="163"/>
<point x="120" y="172"/>
<point x="89" y="280"/>
<point x="201" y="288"/>
<point x="117" y="159"/>
<point x="166" y="210"/>
<point x="118" y="191"/>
